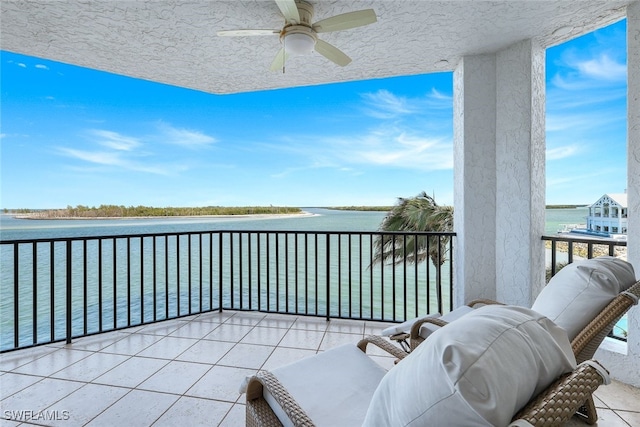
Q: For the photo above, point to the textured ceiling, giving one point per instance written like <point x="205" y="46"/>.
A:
<point x="175" y="41"/>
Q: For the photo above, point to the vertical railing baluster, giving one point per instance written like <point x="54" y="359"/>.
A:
<point x="277" y="235"/>
<point x="141" y="280"/>
<point x="231" y="271"/>
<point x="178" y="293"/>
<point x="415" y="273"/>
<point x="349" y="276"/>
<point x="450" y="273"/>
<point x="339" y="281"/>
<point x="16" y="295"/>
<point x="189" y="270"/>
<point x="200" y="271"/>
<point x="220" y="288"/>
<point x="360" y="273"/>
<point x="372" y="312"/>
<point x="100" y="308"/>
<point x="240" y="269"/>
<point x="306" y="273"/>
<point x="404" y="277"/>
<point x="52" y="295"/>
<point x="211" y="271"/>
<point x="286" y="271"/>
<point x="439" y="277"/>
<point x="328" y="273"/>
<point x="259" y="264"/>
<point x="250" y="269"/>
<point x="84" y="286"/>
<point x="154" y="248"/>
<point x="316" y="273"/>
<point x="69" y="299"/>
<point x="296" y="268"/>
<point x="115" y="286"/>
<point x="128" y="281"/>
<point x="166" y="276"/>
<point x="35" y="292"/>
<point x="393" y="278"/>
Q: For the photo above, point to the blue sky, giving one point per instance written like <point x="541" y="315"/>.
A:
<point x="71" y="135"/>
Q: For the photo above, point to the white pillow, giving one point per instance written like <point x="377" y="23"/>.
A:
<point x="578" y="292"/>
<point x="477" y="371"/>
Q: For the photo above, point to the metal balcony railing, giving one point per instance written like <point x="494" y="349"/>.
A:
<point x="59" y="289"/>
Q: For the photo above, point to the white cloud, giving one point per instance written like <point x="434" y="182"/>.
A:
<point x="562" y="152"/>
<point x="185" y="137"/>
<point x="115" y="159"/>
<point x="20" y="64"/>
<point x="42" y="67"/>
<point x="381" y="147"/>
<point x="603" y="68"/>
<point x="115" y="140"/>
<point x="385" y="105"/>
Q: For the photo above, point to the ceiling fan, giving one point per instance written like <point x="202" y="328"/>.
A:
<point x="298" y="36"/>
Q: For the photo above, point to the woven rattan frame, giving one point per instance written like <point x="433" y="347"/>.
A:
<point x="562" y="399"/>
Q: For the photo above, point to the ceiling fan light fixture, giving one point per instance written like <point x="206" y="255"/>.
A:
<point x="299" y="43"/>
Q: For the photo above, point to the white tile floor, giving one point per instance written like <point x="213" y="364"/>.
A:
<point x="188" y="372"/>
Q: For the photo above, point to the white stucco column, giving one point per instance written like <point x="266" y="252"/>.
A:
<point x="499" y="183"/>
<point x="624" y="361"/>
<point x="474" y="164"/>
<point x="520" y="180"/>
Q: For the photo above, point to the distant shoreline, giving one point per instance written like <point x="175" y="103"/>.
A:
<point x="33" y="217"/>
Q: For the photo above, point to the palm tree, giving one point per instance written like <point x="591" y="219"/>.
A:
<point x="420" y="213"/>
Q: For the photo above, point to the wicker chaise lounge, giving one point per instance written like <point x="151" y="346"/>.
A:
<point x="553" y="407"/>
<point x="500" y="365"/>
<point x="585" y="336"/>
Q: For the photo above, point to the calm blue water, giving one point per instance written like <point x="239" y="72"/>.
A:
<point x="322" y="220"/>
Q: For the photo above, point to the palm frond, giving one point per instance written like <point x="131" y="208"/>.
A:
<point x="420" y="213"/>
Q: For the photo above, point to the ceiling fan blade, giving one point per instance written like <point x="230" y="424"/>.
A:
<point x="237" y="33"/>
<point x="332" y="53"/>
<point x="289" y="10"/>
<point x="346" y="21"/>
<point x="278" y="61"/>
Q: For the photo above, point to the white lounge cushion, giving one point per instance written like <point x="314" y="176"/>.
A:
<point x="428" y="328"/>
<point x="578" y="292"/>
<point x="477" y="371"/>
<point x="334" y="387"/>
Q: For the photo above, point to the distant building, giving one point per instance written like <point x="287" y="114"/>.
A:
<point x="608" y="215"/>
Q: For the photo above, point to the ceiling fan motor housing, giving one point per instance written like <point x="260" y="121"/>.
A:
<point x="300" y="39"/>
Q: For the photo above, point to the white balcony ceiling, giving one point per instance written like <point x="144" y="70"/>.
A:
<point x="175" y="41"/>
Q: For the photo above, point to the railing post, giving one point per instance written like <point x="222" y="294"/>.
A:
<point x="69" y="295"/>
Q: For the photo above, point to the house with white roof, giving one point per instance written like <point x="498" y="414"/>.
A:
<point x="608" y="215"/>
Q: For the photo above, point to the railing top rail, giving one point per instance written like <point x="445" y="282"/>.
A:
<point x="592" y="241"/>
<point x="185" y="233"/>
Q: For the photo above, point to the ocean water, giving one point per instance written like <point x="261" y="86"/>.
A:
<point x="321" y="220"/>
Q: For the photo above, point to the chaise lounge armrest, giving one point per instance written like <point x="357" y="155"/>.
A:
<point x="385" y="345"/>
<point x="260" y="414"/>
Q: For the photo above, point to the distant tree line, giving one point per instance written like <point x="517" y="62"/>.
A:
<point x="362" y="208"/>
<point x="114" y="211"/>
